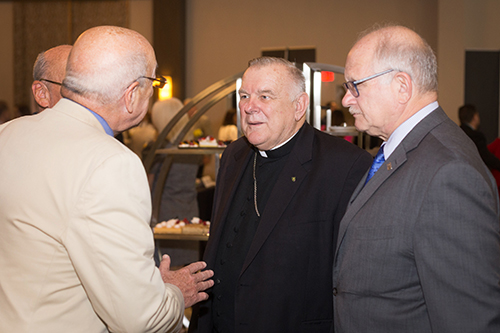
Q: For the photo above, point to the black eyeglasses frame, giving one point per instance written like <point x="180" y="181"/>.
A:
<point x="50" y="81"/>
<point x="158" y="82"/>
<point x="352" y="86"/>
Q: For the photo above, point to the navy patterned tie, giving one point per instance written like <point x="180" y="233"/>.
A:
<point x="377" y="162"/>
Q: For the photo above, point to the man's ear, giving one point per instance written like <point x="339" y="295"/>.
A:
<point x="301" y="103"/>
<point x="41" y="94"/>
<point x="131" y="97"/>
<point x="405" y="86"/>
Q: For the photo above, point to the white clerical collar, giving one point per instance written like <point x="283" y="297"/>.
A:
<point x="402" y="131"/>
<point x="263" y="152"/>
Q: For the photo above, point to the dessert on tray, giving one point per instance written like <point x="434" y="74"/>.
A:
<point x="189" y="144"/>
<point x="175" y="226"/>
<point x="208" y="141"/>
<point x="172" y="226"/>
<point x="205" y="142"/>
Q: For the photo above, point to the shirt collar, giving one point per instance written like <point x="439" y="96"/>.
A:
<point x="263" y="153"/>
<point x="402" y="131"/>
<point x="101" y="120"/>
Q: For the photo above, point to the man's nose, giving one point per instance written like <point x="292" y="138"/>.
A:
<point x="248" y="105"/>
<point x="348" y="99"/>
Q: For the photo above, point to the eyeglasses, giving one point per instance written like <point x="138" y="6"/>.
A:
<point x="352" y="86"/>
<point x="158" y="82"/>
<point x="50" y="81"/>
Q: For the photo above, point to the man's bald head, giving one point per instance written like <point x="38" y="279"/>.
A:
<point x="49" y="70"/>
<point x="104" y="61"/>
<point x="398" y="73"/>
<point x="401" y="49"/>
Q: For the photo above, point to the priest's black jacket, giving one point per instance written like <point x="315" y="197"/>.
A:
<point x="285" y="284"/>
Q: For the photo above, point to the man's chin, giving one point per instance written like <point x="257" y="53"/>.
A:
<point x="256" y="141"/>
<point x="359" y="127"/>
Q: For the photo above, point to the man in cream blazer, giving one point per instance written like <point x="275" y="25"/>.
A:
<point x="76" y="250"/>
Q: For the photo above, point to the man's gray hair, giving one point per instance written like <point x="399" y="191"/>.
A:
<point x="413" y="56"/>
<point x="296" y="74"/>
<point x="40" y="67"/>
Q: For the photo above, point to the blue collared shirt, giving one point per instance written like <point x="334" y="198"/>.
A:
<point x="103" y="122"/>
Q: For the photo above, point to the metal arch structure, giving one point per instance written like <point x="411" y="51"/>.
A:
<point x="312" y="72"/>
<point x="208" y="97"/>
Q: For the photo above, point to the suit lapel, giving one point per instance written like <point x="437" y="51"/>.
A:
<point x="363" y="193"/>
<point x="289" y="181"/>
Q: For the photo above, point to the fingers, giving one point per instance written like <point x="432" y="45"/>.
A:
<point x="165" y="267"/>
<point x="196" y="266"/>
<point x="202" y="297"/>
<point x="191" y="280"/>
<point x="204" y="285"/>
<point x="166" y="261"/>
<point x="198" y="298"/>
<point x="203" y="275"/>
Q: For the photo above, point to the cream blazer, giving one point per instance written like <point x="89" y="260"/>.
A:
<point x="76" y="248"/>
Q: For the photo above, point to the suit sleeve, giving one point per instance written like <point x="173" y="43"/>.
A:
<point x="457" y="251"/>
<point x="111" y="246"/>
<point x="357" y="170"/>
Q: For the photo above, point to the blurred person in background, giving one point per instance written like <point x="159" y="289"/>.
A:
<point x="228" y="131"/>
<point x="179" y="198"/>
<point x="469" y="123"/>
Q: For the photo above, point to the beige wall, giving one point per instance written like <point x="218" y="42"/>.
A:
<point x="463" y="25"/>
<point x="451" y="56"/>
<point x="222" y="35"/>
<point x="141" y="17"/>
<point x="482" y="24"/>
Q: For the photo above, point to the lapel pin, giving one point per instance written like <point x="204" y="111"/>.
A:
<point x="389" y="166"/>
<point x="294" y="179"/>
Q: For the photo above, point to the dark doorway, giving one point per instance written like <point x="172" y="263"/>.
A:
<point x="482" y="76"/>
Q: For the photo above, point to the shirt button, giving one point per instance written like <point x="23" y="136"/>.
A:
<point x="229" y="245"/>
<point x="335" y="292"/>
<point x="236" y="229"/>
<point x="222" y="261"/>
<point x="217" y="281"/>
<point x="219" y="297"/>
<point x="242" y="213"/>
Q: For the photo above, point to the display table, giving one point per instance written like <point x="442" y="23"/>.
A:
<point x="180" y="241"/>
<point x="185" y="237"/>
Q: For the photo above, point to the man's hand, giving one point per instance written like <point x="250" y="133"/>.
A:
<point x="190" y="280"/>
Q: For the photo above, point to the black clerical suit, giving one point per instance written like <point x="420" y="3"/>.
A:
<point x="286" y="255"/>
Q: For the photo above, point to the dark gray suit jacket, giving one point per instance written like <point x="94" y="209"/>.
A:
<point x="419" y="246"/>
